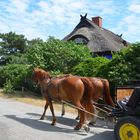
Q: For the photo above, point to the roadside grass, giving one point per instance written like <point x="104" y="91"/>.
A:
<point x="33" y="99"/>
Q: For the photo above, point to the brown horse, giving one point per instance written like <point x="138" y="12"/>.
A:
<point x="69" y="88"/>
<point x="101" y="89"/>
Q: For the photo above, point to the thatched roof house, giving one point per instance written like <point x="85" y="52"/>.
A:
<point x="100" y="41"/>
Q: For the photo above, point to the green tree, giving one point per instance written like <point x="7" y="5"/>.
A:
<point x="18" y="58"/>
<point x="55" y="55"/>
<point x="11" y="43"/>
<point x="33" y="42"/>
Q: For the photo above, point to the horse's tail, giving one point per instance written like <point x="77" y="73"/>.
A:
<point x="87" y="96"/>
<point x="106" y="93"/>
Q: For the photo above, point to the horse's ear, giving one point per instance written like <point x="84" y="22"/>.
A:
<point x="35" y="69"/>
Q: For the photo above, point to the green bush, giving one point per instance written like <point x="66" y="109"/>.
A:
<point x="16" y="76"/>
<point x="8" y="87"/>
<point x="57" y="56"/>
<point x="90" y="66"/>
<point x="124" y="66"/>
<point x="15" y="73"/>
<point x="17" y="58"/>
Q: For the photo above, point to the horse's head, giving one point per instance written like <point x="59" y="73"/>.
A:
<point x="39" y="75"/>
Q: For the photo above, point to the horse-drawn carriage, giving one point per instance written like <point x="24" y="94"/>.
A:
<point x="127" y="115"/>
<point x="80" y="92"/>
<point x="126" y="112"/>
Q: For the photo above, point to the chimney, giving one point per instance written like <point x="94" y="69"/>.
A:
<point x="97" y="21"/>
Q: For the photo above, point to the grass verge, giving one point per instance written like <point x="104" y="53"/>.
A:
<point x="30" y="98"/>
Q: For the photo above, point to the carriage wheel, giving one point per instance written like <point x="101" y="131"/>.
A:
<point x="128" y="128"/>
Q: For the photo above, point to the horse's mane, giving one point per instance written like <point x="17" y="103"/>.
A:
<point x="63" y="76"/>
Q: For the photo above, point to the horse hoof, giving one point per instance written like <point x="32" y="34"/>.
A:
<point x="77" y="118"/>
<point x="62" y="114"/>
<point x="53" y="123"/>
<point x="41" y="118"/>
<point x="77" y="128"/>
<point x="87" y="129"/>
<point x="91" y="123"/>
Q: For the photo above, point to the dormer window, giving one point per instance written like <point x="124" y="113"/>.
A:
<point x="80" y="40"/>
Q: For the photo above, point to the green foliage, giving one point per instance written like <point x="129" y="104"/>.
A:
<point x="18" y="58"/>
<point x="124" y="66"/>
<point x="35" y="53"/>
<point x="33" y="42"/>
<point x="90" y="66"/>
<point x="11" y="44"/>
<point x="55" y="55"/>
<point x="13" y="73"/>
<point x="8" y="87"/>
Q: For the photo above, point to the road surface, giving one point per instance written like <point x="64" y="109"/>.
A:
<point x="20" y="121"/>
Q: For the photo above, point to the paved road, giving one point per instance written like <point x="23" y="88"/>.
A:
<point x="20" y="121"/>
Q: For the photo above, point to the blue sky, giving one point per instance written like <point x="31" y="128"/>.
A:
<point x="44" y="18"/>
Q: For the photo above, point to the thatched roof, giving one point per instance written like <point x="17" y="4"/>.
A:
<point x="99" y="39"/>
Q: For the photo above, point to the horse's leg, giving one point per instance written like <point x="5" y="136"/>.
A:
<point x="81" y="120"/>
<point x="95" y="97"/>
<point x="93" y="119"/>
<point x="63" y="110"/>
<point x="45" y="108"/>
<point x="53" y="115"/>
<point x="81" y="116"/>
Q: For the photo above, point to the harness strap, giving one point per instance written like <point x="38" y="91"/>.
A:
<point x="48" y="82"/>
<point x="45" y="90"/>
<point x="58" y="90"/>
<point x="49" y="96"/>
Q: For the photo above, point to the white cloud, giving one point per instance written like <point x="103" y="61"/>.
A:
<point x="4" y="27"/>
<point x="103" y="7"/>
<point x="43" y="18"/>
<point x="129" y="24"/>
<point x="132" y="27"/>
<point x="135" y="8"/>
<point x="129" y="28"/>
<point x="17" y="6"/>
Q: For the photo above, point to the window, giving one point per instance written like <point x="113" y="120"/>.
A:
<point x="81" y="40"/>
